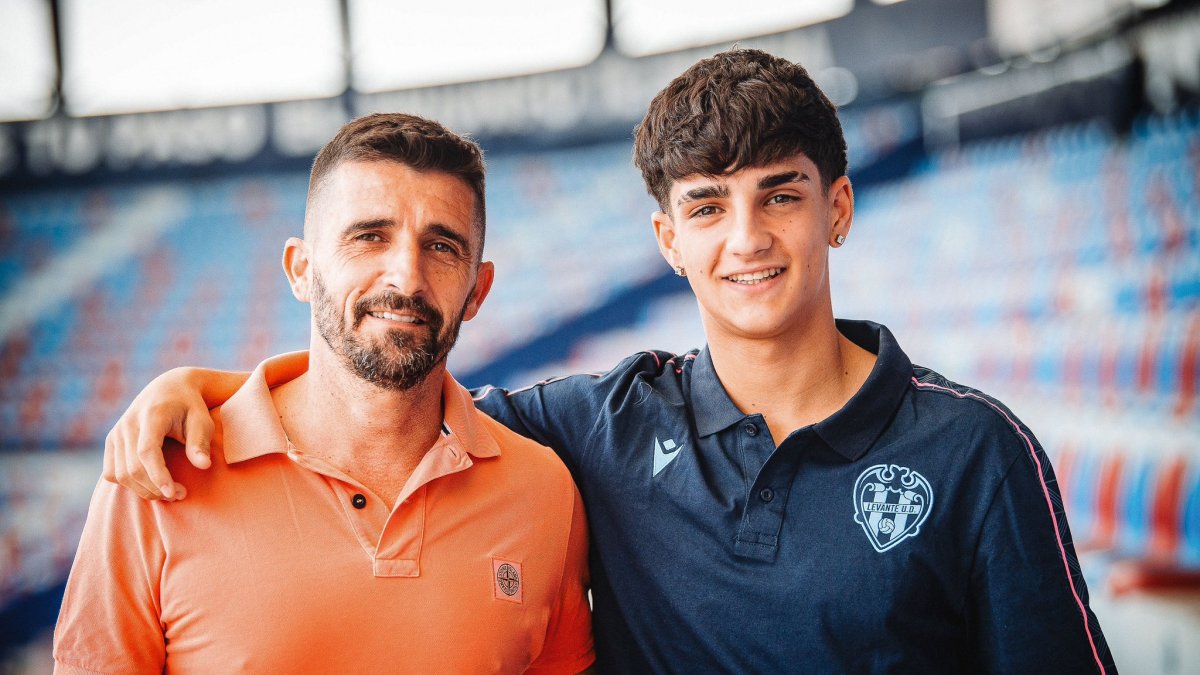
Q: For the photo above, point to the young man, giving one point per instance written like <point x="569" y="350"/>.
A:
<point x="360" y="514"/>
<point x="796" y="496"/>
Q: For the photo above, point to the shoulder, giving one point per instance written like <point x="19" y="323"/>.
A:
<point x="220" y="482"/>
<point x="650" y="365"/>
<point x="179" y="466"/>
<point x="531" y="475"/>
<point x="525" y="457"/>
<point x="980" y="417"/>
<point x="651" y="368"/>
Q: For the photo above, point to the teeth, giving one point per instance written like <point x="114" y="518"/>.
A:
<point x="756" y="277"/>
<point x="395" y="317"/>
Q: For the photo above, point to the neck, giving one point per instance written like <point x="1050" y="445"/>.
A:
<point x="375" y="435"/>
<point x="794" y="379"/>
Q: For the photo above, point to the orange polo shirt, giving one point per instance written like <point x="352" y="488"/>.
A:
<point x="279" y="562"/>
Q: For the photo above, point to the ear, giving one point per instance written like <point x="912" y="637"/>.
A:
<point x="841" y="198"/>
<point x="483" y="284"/>
<point x="297" y="267"/>
<point x="664" y="232"/>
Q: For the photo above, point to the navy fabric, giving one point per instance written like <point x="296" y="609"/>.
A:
<point x="918" y="529"/>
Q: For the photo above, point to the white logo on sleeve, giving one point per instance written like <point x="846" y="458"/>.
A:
<point x="664" y="453"/>
<point x="891" y="502"/>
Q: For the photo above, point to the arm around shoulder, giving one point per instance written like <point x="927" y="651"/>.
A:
<point x="174" y="405"/>
<point x="563" y="412"/>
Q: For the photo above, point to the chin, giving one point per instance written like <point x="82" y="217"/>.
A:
<point x="742" y="327"/>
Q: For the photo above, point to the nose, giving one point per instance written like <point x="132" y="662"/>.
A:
<point x="749" y="235"/>
<point x="402" y="268"/>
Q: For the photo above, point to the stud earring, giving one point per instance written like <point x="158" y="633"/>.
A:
<point x="840" y="239"/>
<point x="680" y="272"/>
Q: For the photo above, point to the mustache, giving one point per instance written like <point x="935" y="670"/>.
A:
<point x="392" y="301"/>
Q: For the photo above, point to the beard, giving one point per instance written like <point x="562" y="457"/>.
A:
<point x="401" y="360"/>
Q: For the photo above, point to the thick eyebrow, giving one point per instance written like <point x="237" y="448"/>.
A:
<point x="363" y="225"/>
<point x="706" y="192"/>
<point x="775" y="180"/>
<point x="443" y="231"/>
<point x="437" y="229"/>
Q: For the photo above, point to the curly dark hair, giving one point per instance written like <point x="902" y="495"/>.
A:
<point x="740" y="108"/>
<point x="415" y="142"/>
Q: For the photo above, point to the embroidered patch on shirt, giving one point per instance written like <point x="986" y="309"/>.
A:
<point x="891" y="502"/>
<point x="507" y="575"/>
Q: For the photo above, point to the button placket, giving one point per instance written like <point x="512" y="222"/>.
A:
<point x="365" y="517"/>
<point x="754" y="446"/>
<point x="399" y="550"/>
<point x="766" y="505"/>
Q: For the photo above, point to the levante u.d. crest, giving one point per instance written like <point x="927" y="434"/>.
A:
<point x="891" y="502"/>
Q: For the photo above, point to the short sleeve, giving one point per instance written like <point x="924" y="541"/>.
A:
<point x="1029" y="603"/>
<point x="109" y="621"/>
<point x="568" y="647"/>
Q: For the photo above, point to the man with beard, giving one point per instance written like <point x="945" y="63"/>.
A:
<point x="360" y="514"/>
<point x="797" y="496"/>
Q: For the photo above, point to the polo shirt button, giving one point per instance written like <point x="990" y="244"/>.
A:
<point x="358" y="501"/>
<point x="766" y="494"/>
<point x="751" y="430"/>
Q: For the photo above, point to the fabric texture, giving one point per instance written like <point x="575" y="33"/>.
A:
<point x="279" y="562"/>
<point x="917" y="529"/>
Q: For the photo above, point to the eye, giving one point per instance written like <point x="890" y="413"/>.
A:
<point x="782" y="198"/>
<point x="704" y="212"/>
<point x="368" y="236"/>
<point x="443" y="247"/>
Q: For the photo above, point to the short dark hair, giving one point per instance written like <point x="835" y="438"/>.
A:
<point x="415" y="142"/>
<point x="740" y="108"/>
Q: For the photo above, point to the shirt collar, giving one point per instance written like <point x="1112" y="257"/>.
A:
<point x="464" y="422"/>
<point x="250" y="425"/>
<point x="851" y="430"/>
<point x="711" y="406"/>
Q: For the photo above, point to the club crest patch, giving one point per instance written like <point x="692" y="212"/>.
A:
<point x="891" y="502"/>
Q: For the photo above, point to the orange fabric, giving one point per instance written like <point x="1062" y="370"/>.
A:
<point x="268" y="565"/>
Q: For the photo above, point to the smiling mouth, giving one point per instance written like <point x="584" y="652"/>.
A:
<point x="753" y="278"/>
<point x="402" y="318"/>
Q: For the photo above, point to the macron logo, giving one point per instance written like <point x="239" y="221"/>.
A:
<point x="664" y="453"/>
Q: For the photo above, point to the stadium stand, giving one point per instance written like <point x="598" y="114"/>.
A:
<point x="1061" y="271"/>
<point x="1058" y="270"/>
<point x="208" y="288"/>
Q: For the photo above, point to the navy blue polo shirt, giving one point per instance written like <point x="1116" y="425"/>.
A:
<point x="917" y="529"/>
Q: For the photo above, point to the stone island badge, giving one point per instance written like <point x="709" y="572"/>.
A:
<point x="507" y="575"/>
<point x="891" y="503"/>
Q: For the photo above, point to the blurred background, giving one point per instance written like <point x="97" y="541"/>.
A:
<point x="1028" y="184"/>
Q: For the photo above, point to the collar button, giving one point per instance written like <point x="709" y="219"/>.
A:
<point x="751" y="429"/>
<point x="359" y="501"/>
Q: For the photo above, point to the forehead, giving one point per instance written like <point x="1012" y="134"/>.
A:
<point x="357" y="190"/>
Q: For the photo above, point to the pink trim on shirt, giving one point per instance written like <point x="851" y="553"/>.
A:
<point x="1049" y="503"/>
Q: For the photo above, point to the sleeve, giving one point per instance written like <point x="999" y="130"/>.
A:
<point x="1028" y="603"/>
<point x="568" y="647"/>
<point x="109" y="621"/>
<point x="563" y="412"/>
